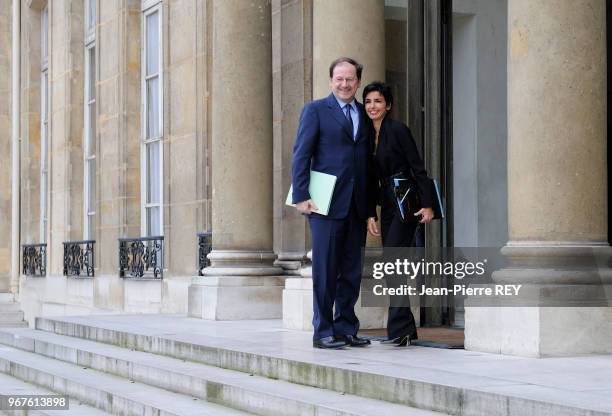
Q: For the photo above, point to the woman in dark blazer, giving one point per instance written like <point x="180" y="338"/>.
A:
<point x="394" y="151"/>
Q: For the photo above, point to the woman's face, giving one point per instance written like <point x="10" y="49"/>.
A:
<point x="376" y="106"/>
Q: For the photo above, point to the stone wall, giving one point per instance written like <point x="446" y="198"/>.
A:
<point x="66" y="129"/>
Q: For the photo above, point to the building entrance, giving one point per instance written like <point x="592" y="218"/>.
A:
<point x="446" y="60"/>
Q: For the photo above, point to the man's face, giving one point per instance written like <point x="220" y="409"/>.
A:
<point x="344" y="82"/>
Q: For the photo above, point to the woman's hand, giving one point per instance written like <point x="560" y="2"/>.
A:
<point x="372" y="228"/>
<point x="427" y="214"/>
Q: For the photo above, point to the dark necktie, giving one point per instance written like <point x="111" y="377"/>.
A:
<point x="350" y="119"/>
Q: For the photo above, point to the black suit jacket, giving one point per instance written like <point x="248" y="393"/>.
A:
<point x="397" y="152"/>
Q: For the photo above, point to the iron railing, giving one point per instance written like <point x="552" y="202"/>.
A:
<point x="204" y="247"/>
<point x="141" y="257"/>
<point x="79" y="258"/>
<point x="35" y="259"/>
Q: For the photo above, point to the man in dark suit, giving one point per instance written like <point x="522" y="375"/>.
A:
<point x="332" y="138"/>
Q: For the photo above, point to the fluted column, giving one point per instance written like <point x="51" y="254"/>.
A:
<point x="557" y="190"/>
<point x="242" y="282"/>
<point x="353" y="28"/>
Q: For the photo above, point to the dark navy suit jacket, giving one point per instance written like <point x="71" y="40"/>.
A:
<point x="325" y="143"/>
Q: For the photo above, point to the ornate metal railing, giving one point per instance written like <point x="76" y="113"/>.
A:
<point x="141" y="257"/>
<point x="204" y="247"/>
<point x="35" y="259"/>
<point x="79" y="258"/>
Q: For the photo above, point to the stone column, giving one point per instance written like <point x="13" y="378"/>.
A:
<point x="292" y="69"/>
<point x="292" y="88"/>
<point x="365" y="42"/>
<point x="6" y="61"/>
<point x="242" y="282"/>
<point x="354" y="28"/>
<point x="557" y="191"/>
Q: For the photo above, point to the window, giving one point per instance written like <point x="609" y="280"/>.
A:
<point x="44" y="120"/>
<point x="89" y="139"/>
<point x="152" y="125"/>
<point x="90" y="17"/>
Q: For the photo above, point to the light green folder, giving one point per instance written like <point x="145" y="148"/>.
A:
<point x="321" y="189"/>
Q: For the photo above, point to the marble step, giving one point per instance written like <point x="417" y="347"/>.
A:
<point x="106" y="392"/>
<point x="248" y="392"/>
<point x="11" y="386"/>
<point x="429" y="389"/>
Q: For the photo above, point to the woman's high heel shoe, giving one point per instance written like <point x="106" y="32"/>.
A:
<point x="404" y="341"/>
<point x="396" y="340"/>
<point x="400" y="341"/>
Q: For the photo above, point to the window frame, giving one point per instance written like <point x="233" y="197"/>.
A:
<point x="44" y="122"/>
<point x="150" y="7"/>
<point x="89" y="143"/>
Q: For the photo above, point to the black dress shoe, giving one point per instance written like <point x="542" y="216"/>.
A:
<point x="329" y="343"/>
<point x="354" y="340"/>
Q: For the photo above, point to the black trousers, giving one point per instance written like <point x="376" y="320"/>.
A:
<point x="395" y="233"/>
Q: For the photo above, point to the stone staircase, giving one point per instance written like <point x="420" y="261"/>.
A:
<point x="131" y="374"/>
<point x="174" y="365"/>
<point x="12" y="386"/>
<point x="10" y="313"/>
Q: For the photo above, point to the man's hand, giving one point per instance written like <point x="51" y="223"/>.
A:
<point x="372" y="228"/>
<point x="427" y="214"/>
<point x="306" y="207"/>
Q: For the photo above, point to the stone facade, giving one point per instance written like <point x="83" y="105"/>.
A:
<point x="118" y="152"/>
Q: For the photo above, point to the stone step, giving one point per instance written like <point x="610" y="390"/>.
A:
<point x="9" y="307"/>
<point x="22" y="324"/>
<point x="429" y="389"/>
<point x="6" y="297"/>
<point x="106" y="392"/>
<point x="230" y="388"/>
<point x="11" y="386"/>
<point x="14" y="316"/>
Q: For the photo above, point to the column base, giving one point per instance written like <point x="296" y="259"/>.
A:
<point x="563" y="303"/>
<point x="538" y="331"/>
<point x="223" y="298"/>
<point x="291" y="263"/>
<point x="240" y="284"/>
<point x="297" y="307"/>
